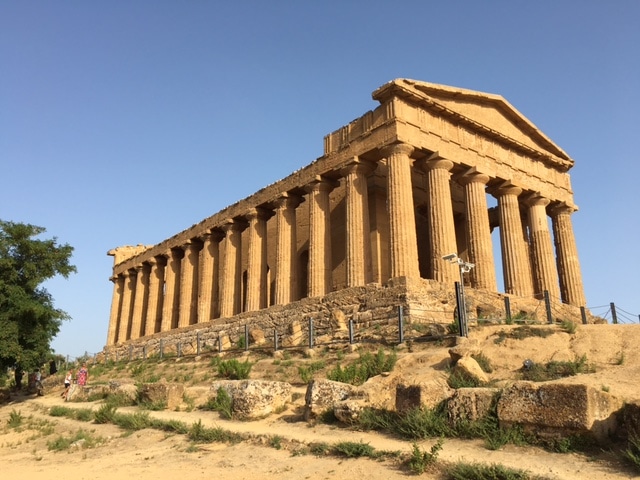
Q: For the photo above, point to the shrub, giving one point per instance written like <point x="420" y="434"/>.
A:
<point x="306" y="372"/>
<point x="200" y="434"/>
<point x="365" y="367"/>
<point x="15" y="419"/>
<point x="354" y="449"/>
<point x="632" y="452"/>
<point x="420" y="460"/>
<point x="105" y="414"/>
<point x="477" y="471"/>
<point x="234" y="370"/>
<point x="554" y="370"/>
<point x="221" y="403"/>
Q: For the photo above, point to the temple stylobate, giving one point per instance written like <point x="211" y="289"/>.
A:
<point x="433" y="170"/>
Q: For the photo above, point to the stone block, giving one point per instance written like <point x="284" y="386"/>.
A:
<point x="469" y="368"/>
<point x="426" y="394"/>
<point x="254" y="399"/>
<point x="559" y="408"/>
<point x="471" y="403"/>
<point x="170" y="394"/>
<point x="325" y="394"/>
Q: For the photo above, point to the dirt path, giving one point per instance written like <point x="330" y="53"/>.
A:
<point x="150" y="454"/>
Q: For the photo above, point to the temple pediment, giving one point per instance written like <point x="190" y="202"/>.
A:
<point x="480" y="111"/>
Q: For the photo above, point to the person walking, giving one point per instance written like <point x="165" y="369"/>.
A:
<point x="68" y="380"/>
<point x="83" y="375"/>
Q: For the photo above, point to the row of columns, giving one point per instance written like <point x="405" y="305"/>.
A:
<point x="203" y="278"/>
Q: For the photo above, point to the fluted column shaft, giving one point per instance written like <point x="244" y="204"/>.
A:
<point x="286" y="249"/>
<point x="571" y="286"/>
<point x="140" y="301"/>
<point x="188" y="310"/>
<point x="127" y="303"/>
<point x="114" y="316"/>
<point x="257" y="260"/>
<point x="479" y="246"/>
<point x="442" y="233"/>
<point x="208" y="284"/>
<point x="154" y="304"/>
<point x="231" y="267"/>
<point x="320" y="266"/>
<point x="358" y="231"/>
<point x="170" y="304"/>
<point x="516" y="267"/>
<point x="544" y="265"/>
<point x="403" y="243"/>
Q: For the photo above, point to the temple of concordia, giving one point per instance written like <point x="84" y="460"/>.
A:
<point x="364" y="228"/>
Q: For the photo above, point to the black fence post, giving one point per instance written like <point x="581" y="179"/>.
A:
<point x="400" y="324"/>
<point x="246" y="338"/>
<point x="547" y="304"/>
<point x="275" y="340"/>
<point x="351" y="331"/>
<point x="310" y="332"/>
<point x="614" y="315"/>
<point x="130" y="352"/>
<point x="161" y="348"/>
<point x="461" y="310"/>
<point x="179" y="349"/>
<point x="219" y="343"/>
<point x="507" y="309"/>
<point x="583" y="315"/>
<point x="198" y="342"/>
<point x="144" y="352"/>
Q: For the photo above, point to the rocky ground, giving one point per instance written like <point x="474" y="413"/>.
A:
<point x="25" y="450"/>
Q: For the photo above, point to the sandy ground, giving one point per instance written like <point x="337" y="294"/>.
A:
<point x="150" y="454"/>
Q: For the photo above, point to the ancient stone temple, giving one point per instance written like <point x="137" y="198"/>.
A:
<point x="433" y="170"/>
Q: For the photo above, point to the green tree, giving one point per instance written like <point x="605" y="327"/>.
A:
<point x="28" y="318"/>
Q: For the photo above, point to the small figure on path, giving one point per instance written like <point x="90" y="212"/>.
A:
<point x="83" y="375"/>
<point x="68" y="380"/>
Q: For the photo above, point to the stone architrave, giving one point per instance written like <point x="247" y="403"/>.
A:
<point x="126" y="306"/>
<point x="516" y="267"/>
<point x="208" y="284"/>
<point x="545" y="274"/>
<point x="140" y="301"/>
<point x="171" y="300"/>
<point x="442" y="233"/>
<point x="286" y="248"/>
<point x="256" y="298"/>
<point x="403" y="243"/>
<point x="154" y="304"/>
<point x="116" y="302"/>
<point x="358" y="261"/>
<point x="231" y="268"/>
<point x="320" y="267"/>
<point x="479" y="246"/>
<point x="188" y="309"/>
<point x="570" y="276"/>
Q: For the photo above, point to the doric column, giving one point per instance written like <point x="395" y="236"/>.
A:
<point x="516" y="267"/>
<point x="442" y="232"/>
<point x="286" y="248"/>
<point x="140" y="301"/>
<point x="154" y="305"/>
<point x="171" y="304"/>
<point x="569" y="272"/>
<point x="479" y="247"/>
<point x="257" y="259"/>
<point x="231" y="270"/>
<point x="358" y="230"/>
<point x="544" y="264"/>
<point x="116" y="302"/>
<point x="209" y="269"/>
<point x="403" y="243"/>
<point x="320" y="267"/>
<point x="125" y="308"/>
<point x="188" y="310"/>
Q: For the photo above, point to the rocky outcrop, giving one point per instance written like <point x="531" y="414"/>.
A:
<point x="428" y="394"/>
<point x="169" y="394"/>
<point x="471" y="404"/>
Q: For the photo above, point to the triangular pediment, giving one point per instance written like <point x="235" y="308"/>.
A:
<point x="484" y="111"/>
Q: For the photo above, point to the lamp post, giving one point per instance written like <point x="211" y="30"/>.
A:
<point x="464" y="267"/>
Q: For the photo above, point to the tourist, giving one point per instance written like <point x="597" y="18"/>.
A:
<point x="37" y="380"/>
<point x="83" y="375"/>
<point x="68" y="380"/>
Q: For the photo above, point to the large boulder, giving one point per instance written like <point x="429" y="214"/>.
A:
<point x="169" y="394"/>
<point x="427" y="394"/>
<point x="471" y="404"/>
<point x="323" y="395"/>
<point x="469" y="368"/>
<point x="559" y="409"/>
<point x="254" y="399"/>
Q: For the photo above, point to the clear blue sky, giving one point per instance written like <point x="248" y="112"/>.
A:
<point x="118" y="119"/>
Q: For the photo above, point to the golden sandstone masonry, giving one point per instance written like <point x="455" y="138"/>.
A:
<point x="395" y="191"/>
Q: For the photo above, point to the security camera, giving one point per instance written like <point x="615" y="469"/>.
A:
<point x="451" y="257"/>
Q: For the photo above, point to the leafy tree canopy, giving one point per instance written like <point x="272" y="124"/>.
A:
<point x="28" y="318"/>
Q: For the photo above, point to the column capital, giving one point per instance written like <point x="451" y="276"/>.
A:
<point x="258" y="213"/>
<point x="397" y="148"/>
<point x="321" y="184"/>
<point x="506" y="188"/>
<point x="287" y="200"/>
<point x="562" y="208"/>
<point x="434" y="162"/>
<point x="473" y="176"/>
<point x="213" y="234"/>
<point x="358" y="165"/>
<point x="232" y="225"/>
<point x="535" y="199"/>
